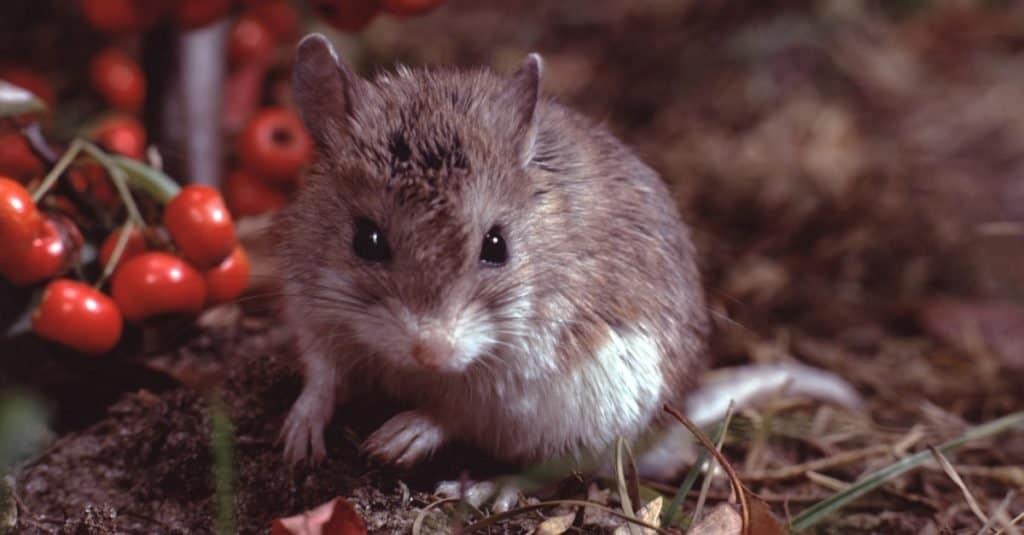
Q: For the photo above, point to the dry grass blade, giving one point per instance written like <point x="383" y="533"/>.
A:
<point x="691" y="477"/>
<point x="627" y="493"/>
<point x="815" y="513"/>
<point x="955" y="477"/>
<point x="494" y="519"/>
<point x="817" y="465"/>
<point x="706" y="485"/>
<point x="1000" y="512"/>
<point x="737" y="485"/>
<point x="1012" y="527"/>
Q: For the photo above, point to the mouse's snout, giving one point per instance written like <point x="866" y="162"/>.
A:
<point x="433" y="350"/>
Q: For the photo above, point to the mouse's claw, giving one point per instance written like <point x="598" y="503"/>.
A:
<point x="303" y="431"/>
<point x="405" y="439"/>
<point x="503" y="496"/>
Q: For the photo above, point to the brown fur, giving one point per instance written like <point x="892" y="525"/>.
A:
<point x="436" y="158"/>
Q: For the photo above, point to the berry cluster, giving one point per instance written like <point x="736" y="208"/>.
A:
<point x="93" y="228"/>
<point x="201" y="265"/>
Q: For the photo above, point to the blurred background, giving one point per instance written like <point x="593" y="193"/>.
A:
<point x="854" y="169"/>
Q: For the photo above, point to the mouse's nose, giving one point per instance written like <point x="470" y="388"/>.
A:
<point x="433" y="351"/>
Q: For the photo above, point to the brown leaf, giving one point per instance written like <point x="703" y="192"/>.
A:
<point x="762" y="521"/>
<point x="556" y="525"/>
<point x="336" y="517"/>
<point x="723" y="519"/>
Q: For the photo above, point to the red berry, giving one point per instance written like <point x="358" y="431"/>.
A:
<point x="135" y="246"/>
<point x="20" y="220"/>
<point x="157" y="283"/>
<point x="17" y="159"/>
<point x="249" y="40"/>
<point x="122" y="135"/>
<point x="408" y="8"/>
<point x="347" y="15"/>
<point x="30" y="81"/>
<point x="117" y="77"/>
<point x="197" y="13"/>
<point x="275" y="146"/>
<point x="44" y="258"/>
<point x="279" y="16"/>
<point x="78" y="316"/>
<point x="123" y="16"/>
<point x="91" y="179"/>
<point x="247" y="195"/>
<point x="228" y="280"/>
<point x="200" y="225"/>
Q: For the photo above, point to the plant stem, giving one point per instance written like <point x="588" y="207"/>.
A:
<point x="118" y="178"/>
<point x="221" y="437"/>
<point x="115" y="256"/>
<point x="154" y="182"/>
<point x="58" y="169"/>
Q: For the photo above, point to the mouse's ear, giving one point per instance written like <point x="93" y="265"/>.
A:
<point x="325" y="88"/>
<point x="521" y="95"/>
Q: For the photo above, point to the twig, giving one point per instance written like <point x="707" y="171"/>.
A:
<point x="737" y="485"/>
<point x="706" y="484"/>
<point x="1013" y="523"/>
<point x="955" y="477"/>
<point x="817" y="465"/>
<point x="1000" y="512"/>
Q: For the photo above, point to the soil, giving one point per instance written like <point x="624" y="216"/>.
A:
<point x="855" y="175"/>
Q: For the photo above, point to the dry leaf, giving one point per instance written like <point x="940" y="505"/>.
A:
<point x="723" y="519"/>
<point x="652" y="511"/>
<point x="555" y="525"/>
<point x="336" y="517"/>
<point x="762" y="521"/>
<point x="593" y="516"/>
<point x="648" y="513"/>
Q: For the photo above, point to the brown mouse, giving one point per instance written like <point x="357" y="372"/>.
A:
<point x="483" y="254"/>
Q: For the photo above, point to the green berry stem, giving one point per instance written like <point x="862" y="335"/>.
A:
<point x="153" y="181"/>
<point x="117" y="176"/>
<point x="115" y="255"/>
<point x="58" y="169"/>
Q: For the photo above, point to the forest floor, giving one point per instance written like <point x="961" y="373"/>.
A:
<point x="855" y="176"/>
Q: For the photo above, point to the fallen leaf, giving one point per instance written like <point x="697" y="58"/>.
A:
<point x="336" y="517"/>
<point x="649" y="513"/>
<point x="556" y="525"/>
<point x="762" y="521"/>
<point x="17" y="101"/>
<point x="723" y="519"/>
<point x="593" y="516"/>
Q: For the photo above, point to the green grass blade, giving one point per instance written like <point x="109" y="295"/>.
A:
<point x="668" y="516"/>
<point x="223" y="466"/>
<point x="815" y="513"/>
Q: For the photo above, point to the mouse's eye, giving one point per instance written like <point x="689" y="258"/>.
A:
<point x="494" y="252"/>
<point x="369" y="242"/>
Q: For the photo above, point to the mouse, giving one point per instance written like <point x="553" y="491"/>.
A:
<point x="472" y="249"/>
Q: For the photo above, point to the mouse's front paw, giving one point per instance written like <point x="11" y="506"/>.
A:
<point x="502" y="496"/>
<point x="303" y="430"/>
<point x="405" y="439"/>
